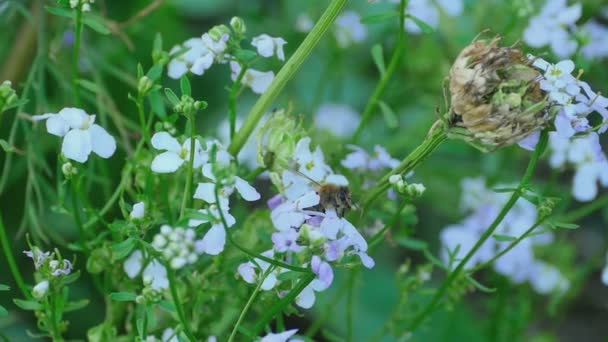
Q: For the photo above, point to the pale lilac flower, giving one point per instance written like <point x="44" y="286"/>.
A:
<point x="286" y="241"/>
<point x="41" y="289"/>
<point x="428" y="12"/>
<point x="280" y="337"/>
<point x="359" y="159"/>
<point x="597" y="40"/>
<point x="155" y="274"/>
<point x="349" y="30"/>
<point x="257" y="80"/>
<point x="138" y="211"/>
<point x="339" y="119"/>
<point x="81" y="135"/>
<point x="133" y="264"/>
<point x="195" y="57"/>
<point x="324" y="273"/>
<point x="546" y="279"/>
<point x="251" y="274"/>
<point x="39" y="257"/>
<point x="216" y="47"/>
<point x="169" y="335"/>
<point x="60" y="268"/>
<point x="554" y="26"/>
<point x="304" y="23"/>
<point x="174" y="155"/>
<point x="268" y="46"/>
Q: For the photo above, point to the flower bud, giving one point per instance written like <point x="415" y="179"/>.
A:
<point x="69" y="170"/>
<point x="495" y="95"/>
<point x="160" y="57"/>
<point x="144" y="85"/>
<point x="415" y="189"/>
<point x="218" y="32"/>
<point x="41" y="289"/>
<point x="138" y="212"/>
<point x="277" y="140"/>
<point x="8" y="96"/>
<point x="238" y="25"/>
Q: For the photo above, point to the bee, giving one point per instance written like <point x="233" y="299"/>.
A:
<point x="331" y="196"/>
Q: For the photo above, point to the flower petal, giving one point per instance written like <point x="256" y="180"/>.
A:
<point x="306" y="298"/>
<point x="77" y="145"/>
<point x="248" y="192"/>
<point x="133" y="264"/>
<point x="164" y="141"/>
<point x="214" y="241"/>
<point x="166" y="162"/>
<point x="102" y="143"/>
<point x="75" y="117"/>
<point x="205" y="192"/>
<point x="56" y="125"/>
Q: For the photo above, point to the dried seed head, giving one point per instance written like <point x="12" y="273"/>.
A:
<point x="495" y="95"/>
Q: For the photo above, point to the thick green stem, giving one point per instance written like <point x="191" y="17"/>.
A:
<point x="187" y="199"/>
<point x="285" y="74"/>
<point x="178" y="304"/>
<point x="381" y="86"/>
<point x="78" y="33"/>
<point x="248" y="304"/>
<point x="430" y="307"/>
<point x="236" y="87"/>
<point x="435" y="137"/>
<point x="10" y="259"/>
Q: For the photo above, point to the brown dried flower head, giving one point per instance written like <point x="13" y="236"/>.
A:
<point x="495" y="97"/>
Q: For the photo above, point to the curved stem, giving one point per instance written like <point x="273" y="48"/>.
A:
<point x="77" y="40"/>
<point x="236" y="87"/>
<point x="187" y="199"/>
<point x="8" y="253"/>
<point x="178" y="305"/>
<point x="436" y="136"/>
<point x="285" y="74"/>
<point x="390" y="70"/>
<point x="585" y="210"/>
<point x="542" y="144"/>
<point x="248" y="304"/>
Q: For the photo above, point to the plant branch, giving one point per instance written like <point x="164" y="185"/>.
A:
<point x="10" y="259"/>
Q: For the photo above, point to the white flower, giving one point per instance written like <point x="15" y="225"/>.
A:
<point x="174" y="155"/>
<point x="304" y="23"/>
<point x="269" y="46"/>
<point x="206" y="191"/>
<point x="81" y="135"/>
<point x="132" y="266"/>
<point x="155" y="274"/>
<point x="597" y="40"/>
<point x="553" y="27"/>
<point x="605" y="272"/>
<point x="40" y="290"/>
<point x="138" y="211"/>
<point x="279" y="337"/>
<point x="195" y="58"/>
<point x="546" y="279"/>
<point x="217" y="47"/>
<point x="257" y="80"/>
<point x="311" y="164"/>
<point x="359" y="159"/>
<point x="341" y="120"/>
<point x="349" y="29"/>
<point x="215" y="239"/>
<point x="251" y="274"/>
<point x="427" y="12"/>
<point x="169" y="335"/>
<point x="177" y="245"/>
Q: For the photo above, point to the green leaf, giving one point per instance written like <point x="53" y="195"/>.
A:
<point x="28" y="304"/>
<point x="480" y="286"/>
<point x="184" y="84"/>
<point x="122" y="249"/>
<point x="60" y="12"/>
<point x="564" y="225"/>
<point x="389" y="116"/>
<point x="96" y="23"/>
<point x="413" y="244"/>
<point x="3" y="311"/>
<point x="289" y="275"/>
<point x="155" y="72"/>
<point x="171" y="96"/>
<point x="504" y="189"/>
<point x="423" y="26"/>
<point x="70" y="278"/>
<point x="158" y="43"/>
<point x="90" y="86"/>
<point x="167" y="306"/>
<point x="4" y="287"/>
<point x="73" y="306"/>
<point x="378" y="58"/>
<point x="157" y="105"/>
<point x="123" y="296"/>
<point x="245" y="56"/>
<point x="6" y="146"/>
<point x="378" y="18"/>
<point x="140" y="71"/>
<point x="504" y="238"/>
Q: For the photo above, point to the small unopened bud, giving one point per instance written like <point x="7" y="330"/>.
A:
<point x="144" y="85"/>
<point x="138" y="212"/>
<point x="140" y="299"/>
<point x="545" y="208"/>
<point x="393" y="179"/>
<point x="277" y="140"/>
<point x="495" y="95"/>
<point x="218" y="32"/>
<point x="160" y="57"/>
<point x="69" y="170"/>
<point x="415" y="189"/>
<point x="238" y="25"/>
<point x="8" y="97"/>
<point x="41" y="289"/>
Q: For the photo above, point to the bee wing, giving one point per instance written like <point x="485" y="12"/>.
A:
<point x="297" y="172"/>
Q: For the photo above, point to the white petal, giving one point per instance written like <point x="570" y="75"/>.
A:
<point x="156" y="273"/>
<point x="337" y="180"/>
<point x="529" y="143"/>
<point x="605" y="276"/>
<point x="202" y="63"/>
<point x="205" y="192"/>
<point x="166" y="162"/>
<point x="247" y="272"/>
<point x="214" y="240"/>
<point x="77" y="145"/>
<point x="138" y="211"/>
<point x="56" y="125"/>
<point x="584" y="187"/>
<point x="270" y="282"/>
<point x="164" y="141"/>
<point x="133" y="264"/>
<point x="102" y="143"/>
<point x="248" y="192"/>
<point x="75" y="117"/>
<point x="258" y="81"/>
<point x="177" y="68"/>
<point x="306" y="298"/>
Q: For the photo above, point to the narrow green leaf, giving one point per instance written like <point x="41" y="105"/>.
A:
<point x="480" y="286"/>
<point x="378" y="18"/>
<point x="423" y="26"/>
<point x="3" y="311"/>
<point x="122" y="249"/>
<point x="411" y="243"/>
<point x="70" y="278"/>
<point x="96" y="23"/>
<point x="184" y="84"/>
<point x="167" y="306"/>
<point x="158" y="43"/>
<point x="4" y="287"/>
<point x="378" y="58"/>
<point x="140" y="71"/>
<point x="245" y="56"/>
<point x="155" y="72"/>
<point x="504" y="238"/>
<point x="90" y="86"/>
<point x="157" y="104"/>
<point x="390" y="118"/>
<point x="27" y="304"/>
<point x="6" y="146"/>
<point x="565" y="225"/>
<point x="73" y="306"/>
<point x="171" y="96"/>
<point x="123" y="296"/>
<point x="289" y="275"/>
<point x="60" y="12"/>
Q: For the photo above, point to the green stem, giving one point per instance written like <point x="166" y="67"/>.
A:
<point x="77" y="40"/>
<point x="579" y="213"/>
<point x="187" y="199"/>
<point x="76" y="209"/>
<point x="178" y="305"/>
<point x="8" y="253"/>
<point x="381" y="86"/>
<point x="542" y="144"/>
<point x="285" y="74"/>
<point x="142" y="118"/>
<point x="435" y="137"/>
<point x="248" y="304"/>
<point x="350" y="304"/>
<point x="236" y="87"/>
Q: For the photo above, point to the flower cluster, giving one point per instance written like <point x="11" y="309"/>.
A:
<point x="556" y="26"/>
<point x="81" y="135"/>
<point x="221" y="45"/>
<point x="177" y="245"/>
<point x="154" y="274"/>
<point x="84" y="5"/>
<point x="48" y="265"/>
<point x="519" y="264"/>
<point x="310" y="228"/>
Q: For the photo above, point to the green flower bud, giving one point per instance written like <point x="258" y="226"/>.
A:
<point x="238" y="25"/>
<point x="160" y="57"/>
<point x="218" y="31"/>
<point x="495" y="96"/>
<point x="277" y="140"/>
<point x="8" y="96"/>
<point x="144" y="85"/>
<point x="69" y="170"/>
<point x="415" y="189"/>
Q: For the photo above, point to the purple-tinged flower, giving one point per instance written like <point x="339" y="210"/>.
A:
<point x="286" y="241"/>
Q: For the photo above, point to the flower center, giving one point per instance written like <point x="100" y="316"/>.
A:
<point x="184" y="153"/>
